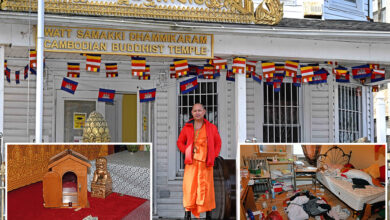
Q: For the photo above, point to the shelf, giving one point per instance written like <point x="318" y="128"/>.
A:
<point x="280" y="163"/>
<point x="270" y="154"/>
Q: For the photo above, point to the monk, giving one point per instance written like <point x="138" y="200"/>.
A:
<point x="199" y="140"/>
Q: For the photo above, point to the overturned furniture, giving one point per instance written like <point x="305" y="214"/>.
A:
<point x="102" y="183"/>
<point x="65" y="183"/>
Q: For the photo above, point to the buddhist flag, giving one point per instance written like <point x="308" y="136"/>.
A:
<point x="320" y="76"/>
<point x="362" y="71"/>
<point x="374" y="66"/>
<point x="251" y="66"/>
<point x="69" y="85"/>
<point x="106" y="95"/>
<point x="111" y="70"/>
<point x="279" y="70"/>
<point x="192" y="70"/>
<point x="239" y="65"/>
<point x="33" y="58"/>
<point x="147" y="95"/>
<point x="297" y="81"/>
<point x="268" y="69"/>
<point x="7" y="71"/>
<point x="208" y="72"/>
<point x="331" y="63"/>
<point x="26" y="72"/>
<point x="172" y="71"/>
<point x="218" y="63"/>
<point x="230" y="76"/>
<point x="188" y="85"/>
<point x="307" y="73"/>
<point x="375" y="88"/>
<point x="17" y="75"/>
<point x="256" y="77"/>
<point x="291" y="67"/>
<point x="73" y="70"/>
<point x="181" y="67"/>
<point x="314" y="66"/>
<point x="138" y="66"/>
<point x="342" y="74"/>
<point x="93" y="62"/>
<point x="377" y="75"/>
<point x="146" y="76"/>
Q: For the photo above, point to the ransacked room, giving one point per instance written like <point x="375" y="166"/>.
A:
<point x="300" y="181"/>
<point x="84" y="181"/>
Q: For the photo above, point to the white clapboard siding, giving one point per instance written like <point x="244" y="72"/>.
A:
<point x="333" y="11"/>
<point x="19" y="105"/>
<point x="230" y="117"/>
<point x="250" y="108"/>
<point x="320" y="111"/>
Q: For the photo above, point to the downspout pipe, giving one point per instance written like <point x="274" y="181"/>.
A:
<point x="39" y="87"/>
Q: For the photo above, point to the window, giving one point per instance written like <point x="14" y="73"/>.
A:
<point x="282" y="114"/>
<point x="206" y="94"/>
<point x="350" y="113"/>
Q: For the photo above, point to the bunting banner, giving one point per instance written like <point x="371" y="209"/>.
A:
<point x="33" y="58"/>
<point x="239" y="65"/>
<point x="314" y="66"/>
<point x="279" y="70"/>
<point x="106" y="95"/>
<point x="93" y="62"/>
<point x="307" y="73"/>
<point x="17" y="77"/>
<point x="188" y="85"/>
<point x="181" y="67"/>
<point x="33" y="71"/>
<point x="268" y="69"/>
<point x="172" y="71"/>
<point x="320" y="76"/>
<point x="192" y="70"/>
<point x="73" y="70"/>
<point x="269" y="81"/>
<point x="138" y="66"/>
<point x="147" y="95"/>
<point x="7" y="71"/>
<point x="69" y="85"/>
<point x="218" y="63"/>
<point x="297" y="81"/>
<point x="146" y="76"/>
<point x="25" y="72"/>
<point x="377" y="75"/>
<point x="375" y="88"/>
<point x="111" y="70"/>
<point x="331" y="63"/>
<point x="256" y="77"/>
<point x="248" y="75"/>
<point x="291" y="67"/>
<point x="374" y="66"/>
<point x="362" y="71"/>
<point x="208" y="72"/>
<point x="251" y="66"/>
<point x="230" y="76"/>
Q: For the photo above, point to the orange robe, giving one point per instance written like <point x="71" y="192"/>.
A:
<point x="198" y="181"/>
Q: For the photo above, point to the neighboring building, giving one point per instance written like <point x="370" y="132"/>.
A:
<point x="330" y="112"/>
<point x="380" y="12"/>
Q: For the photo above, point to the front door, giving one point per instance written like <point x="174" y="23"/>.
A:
<point x="72" y="112"/>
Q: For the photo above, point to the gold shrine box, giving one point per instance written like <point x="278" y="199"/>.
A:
<point x="65" y="183"/>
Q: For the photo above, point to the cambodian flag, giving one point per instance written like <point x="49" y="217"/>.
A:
<point x="106" y="95"/>
<point x="362" y="71"/>
<point x="25" y="72"/>
<point x="256" y="77"/>
<point x="147" y="95"/>
<point x="69" y="85"/>
<point x="17" y="74"/>
<point x="320" y="76"/>
<point x="230" y="76"/>
<point x="188" y="85"/>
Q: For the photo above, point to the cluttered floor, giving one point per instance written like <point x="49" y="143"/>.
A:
<point x="341" y="209"/>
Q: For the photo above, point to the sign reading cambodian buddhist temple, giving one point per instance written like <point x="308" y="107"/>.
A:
<point x="225" y="11"/>
<point x="128" y="42"/>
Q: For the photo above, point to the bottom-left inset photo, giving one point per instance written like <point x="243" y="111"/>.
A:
<point x="83" y="181"/>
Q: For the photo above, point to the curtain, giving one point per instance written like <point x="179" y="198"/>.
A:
<point x="311" y="153"/>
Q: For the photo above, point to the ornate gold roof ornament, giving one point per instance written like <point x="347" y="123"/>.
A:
<point x="96" y="129"/>
<point x="225" y="11"/>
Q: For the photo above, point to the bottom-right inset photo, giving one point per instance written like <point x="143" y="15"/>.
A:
<point x="312" y="181"/>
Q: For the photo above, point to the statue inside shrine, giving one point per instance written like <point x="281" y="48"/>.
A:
<point x="101" y="185"/>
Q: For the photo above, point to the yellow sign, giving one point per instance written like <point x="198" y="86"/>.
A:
<point x="79" y="120"/>
<point x="128" y="42"/>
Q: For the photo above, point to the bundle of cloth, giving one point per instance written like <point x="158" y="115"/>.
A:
<point x="303" y="205"/>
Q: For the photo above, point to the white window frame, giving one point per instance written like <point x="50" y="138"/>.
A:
<point x="300" y="113"/>
<point x="360" y="111"/>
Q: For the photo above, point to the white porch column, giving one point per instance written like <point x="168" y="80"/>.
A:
<point x="2" y="91"/>
<point x="240" y="100"/>
<point x="380" y="118"/>
<point x="39" y="89"/>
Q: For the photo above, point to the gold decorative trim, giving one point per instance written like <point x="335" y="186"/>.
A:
<point x="226" y="11"/>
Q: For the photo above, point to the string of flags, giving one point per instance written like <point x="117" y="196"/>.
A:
<point x="272" y="73"/>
